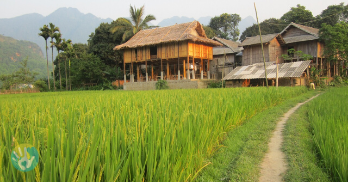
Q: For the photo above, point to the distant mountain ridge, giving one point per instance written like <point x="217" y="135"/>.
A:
<point x="13" y="51"/>
<point x="73" y="25"/>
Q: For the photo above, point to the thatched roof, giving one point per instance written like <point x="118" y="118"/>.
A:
<point x="180" y="32"/>
<point x="265" y="39"/>
<point x="234" y="46"/>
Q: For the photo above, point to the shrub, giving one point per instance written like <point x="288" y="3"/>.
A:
<point x="161" y="84"/>
<point x="41" y="85"/>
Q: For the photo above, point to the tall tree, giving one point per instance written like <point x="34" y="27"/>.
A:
<point x="59" y="47"/>
<point x="53" y="30"/>
<point x="333" y="14"/>
<point x="268" y="26"/>
<point x="45" y="34"/>
<point x="298" y="14"/>
<point x="134" y="25"/>
<point x="226" y="26"/>
<point x="335" y="38"/>
<point x="67" y="48"/>
<point x="209" y="32"/>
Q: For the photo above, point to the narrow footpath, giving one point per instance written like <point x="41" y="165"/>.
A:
<point x="274" y="164"/>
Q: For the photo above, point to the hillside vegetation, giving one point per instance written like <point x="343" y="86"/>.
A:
<point x="13" y="51"/>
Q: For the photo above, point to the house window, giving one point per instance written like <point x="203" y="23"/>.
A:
<point x="153" y="52"/>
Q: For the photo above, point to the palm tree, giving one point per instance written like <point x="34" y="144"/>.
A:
<point x="59" y="46"/>
<point x="66" y="45"/>
<point x="134" y="25"/>
<point x="45" y="34"/>
<point x="53" y="29"/>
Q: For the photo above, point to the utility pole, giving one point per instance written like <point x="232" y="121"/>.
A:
<point x="263" y="54"/>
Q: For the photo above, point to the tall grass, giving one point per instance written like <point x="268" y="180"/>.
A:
<point x="125" y="136"/>
<point x="329" y="118"/>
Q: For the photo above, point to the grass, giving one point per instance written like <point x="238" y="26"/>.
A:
<point x="246" y="145"/>
<point x="303" y="159"/>
<point x="129" y="136"/>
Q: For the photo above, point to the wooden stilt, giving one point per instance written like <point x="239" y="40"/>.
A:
<point x="138" y="73"/>
<point x="184" y="69"/>
<point x="152" y="76"/>
<point x="168" y="76"/>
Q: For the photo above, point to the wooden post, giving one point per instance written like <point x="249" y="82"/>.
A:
<point x="138" y="73"/>
<point x="277" y="73"/>
<point x="201" y="68"/>
<point x="124" y="70"/>
<point x="147" y="75"/>
<point x="208" y="66"/>
<point x="161" y="70"/>
<point x="188" y="61"/>
<point x="184" y="69"/>
<point x="152" y="72"/>
<point x="193" y="60"/>
<point x="168" y="76"/>
<point x="263" y="54"/>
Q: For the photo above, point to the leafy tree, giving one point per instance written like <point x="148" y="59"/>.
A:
<point x="22" y="76"/>
<point x="298" y="55"/>
<point x="59" y="46"/>
<point x="67" y="48"/>
<point x="53" y="29"/>
<point x="226" y="26"/>
<point x="335" y="38"/>
<point x="45" y="34"/>
<point x="134" y="25"/>
<point x="268" y="26"/>
<point x="209" y="32"/>
<point x="298" y="14"/>
<point x="333" y="14"/>
<point x="102" y="42"/>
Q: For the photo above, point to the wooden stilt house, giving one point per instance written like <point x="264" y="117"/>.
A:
<point x="181" y="51"/>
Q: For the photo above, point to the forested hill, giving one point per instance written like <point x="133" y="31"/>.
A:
<point x="13" y="51"/>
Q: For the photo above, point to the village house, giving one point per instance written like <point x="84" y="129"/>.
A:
<point x="225" y="58"/>
<point x="294" y="36"/>
<point x="180" y="54"/>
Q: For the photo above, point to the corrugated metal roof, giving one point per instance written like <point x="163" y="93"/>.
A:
<point x="256" y="71"/>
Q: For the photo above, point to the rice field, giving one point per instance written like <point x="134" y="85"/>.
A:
<point x="164" y="135"/>
<point x="329" y="118"/>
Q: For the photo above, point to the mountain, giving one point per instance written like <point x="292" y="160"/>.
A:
<point x="73" y="25"/>
<point x="245" y="23"/>
<point x="13" y="51"/>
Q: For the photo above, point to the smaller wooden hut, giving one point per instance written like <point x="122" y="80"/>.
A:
<point x="181" y="51"/>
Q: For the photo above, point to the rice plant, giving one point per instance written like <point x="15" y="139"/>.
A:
<point x="163" y="135"/>
<point x="329" y="118"/>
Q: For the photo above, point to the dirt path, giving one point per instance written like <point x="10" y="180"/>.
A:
<point x="274" y="163"/>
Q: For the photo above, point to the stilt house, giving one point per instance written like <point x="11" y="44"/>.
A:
<point x="177" y="52"/>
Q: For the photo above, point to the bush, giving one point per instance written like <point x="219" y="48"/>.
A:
<point x="216" y="84"/>
<point x="41" y="85"/>
<point x="161" y="84"/>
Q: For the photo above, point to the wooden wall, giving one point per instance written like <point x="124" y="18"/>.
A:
<point x="169" y="51"/>
<point x="253" y="54"/>
<point x="308" y="47"/>
<point x="275" y="50"/>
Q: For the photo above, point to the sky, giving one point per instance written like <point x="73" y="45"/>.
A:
<point x="163" y="9"/>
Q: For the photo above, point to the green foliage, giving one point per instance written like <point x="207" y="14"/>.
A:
<point x="298" y="14"/>
<point x="268" y="26"/>
<point x="21" y="76"/>
<point x="102" y="42"/>
<point x="226" y="26"/>
<point x="130" y="27"/>
<point x="13" y="52"/>
<point x="41" y="85"/>
<point x="161" y="85"/>
<point x="332" y="14"/>
<point x="335" y="38"/>
<point x="328" y="118"/>
<point x="209" y="32"/>
<point x="316" y="79"/>
<point x="216" y="84"/>
<point x="298" y="55"/>
<point x="127" y="136"/>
